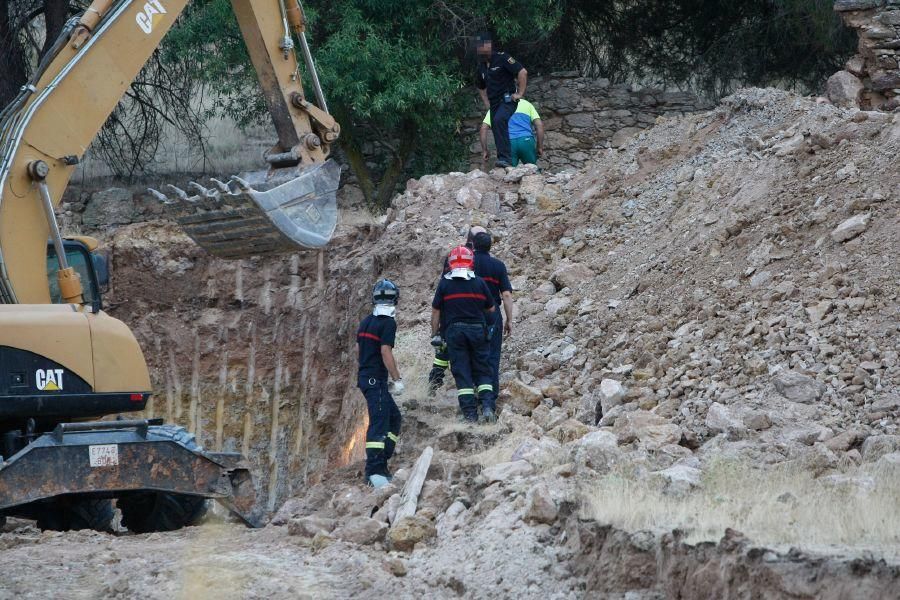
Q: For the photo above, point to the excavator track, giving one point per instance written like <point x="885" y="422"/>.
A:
<point x="259" y="213"/>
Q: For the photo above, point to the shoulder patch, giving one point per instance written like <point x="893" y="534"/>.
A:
<point x="511" y="60"/>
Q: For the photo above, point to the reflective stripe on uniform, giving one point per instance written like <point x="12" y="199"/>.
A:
<point x="376" y="445"/>
<point x="487" y="387"/>
<point x="465" y="392"/>
<point x="393" y="437"/>
<point x="441" y="363"/>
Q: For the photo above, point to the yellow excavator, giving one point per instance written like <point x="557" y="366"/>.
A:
<point x="64" y="362"/>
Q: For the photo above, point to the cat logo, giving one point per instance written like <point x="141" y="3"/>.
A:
<point x="49" y="380"/>
<point x="149" y="16"/>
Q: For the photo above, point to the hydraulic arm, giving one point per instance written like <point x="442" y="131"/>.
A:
<point x="64" y="363"/>
<point x="45" y="132"/>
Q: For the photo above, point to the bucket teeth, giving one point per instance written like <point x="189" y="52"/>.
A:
<point x="259" y="213"/>
<point x="159" y="196"/>
<point x="223" y="187"/>
<point x="179" y="193"/>
<point x="242" y="184"/>
<point x="202" y="191"/>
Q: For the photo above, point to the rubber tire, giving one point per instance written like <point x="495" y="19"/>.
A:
<point x="83" y="513"/>
<point x="159" y="511"/>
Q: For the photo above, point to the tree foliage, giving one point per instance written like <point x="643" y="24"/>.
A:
<point x="395" y="71"/>
<point x="392" y="71"/>
<point x="709" y="45"/>
<point x="160" y="95"/>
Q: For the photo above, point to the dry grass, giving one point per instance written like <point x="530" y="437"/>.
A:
<point x="414" y="357"/>
<point x="779" y="506"/>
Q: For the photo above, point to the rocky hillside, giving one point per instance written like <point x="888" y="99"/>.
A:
<point x="733" y="272"/>
<point x="706" y="338"/>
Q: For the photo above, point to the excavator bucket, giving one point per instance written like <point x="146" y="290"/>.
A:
<point x="258" y="213"/>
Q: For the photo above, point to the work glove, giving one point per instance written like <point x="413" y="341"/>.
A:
<point x="397" y="387"/>
<point x="437" y="341"/>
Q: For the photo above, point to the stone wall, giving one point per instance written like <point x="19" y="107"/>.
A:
<point x="871" y="79"/>
<point x="583" y="114"/>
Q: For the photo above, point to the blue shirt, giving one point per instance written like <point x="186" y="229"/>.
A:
<point x="520" y="122"/>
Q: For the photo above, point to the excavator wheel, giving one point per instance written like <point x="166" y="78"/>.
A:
<point x="158" y="511"/>
<point x="80" y="513"/>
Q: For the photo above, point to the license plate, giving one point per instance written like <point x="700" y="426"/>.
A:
<point x="106" y="455"/>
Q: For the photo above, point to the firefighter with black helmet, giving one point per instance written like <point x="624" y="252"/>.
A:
<point x="378" y="378"/>
<point x="464" y="305"/>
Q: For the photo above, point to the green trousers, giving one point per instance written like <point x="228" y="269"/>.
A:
<point x="524" y="150"/>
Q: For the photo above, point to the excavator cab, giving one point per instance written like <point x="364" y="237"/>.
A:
<point x="82" y="255"/>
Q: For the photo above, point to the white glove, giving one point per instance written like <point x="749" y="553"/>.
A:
<point x="397" y="387"/>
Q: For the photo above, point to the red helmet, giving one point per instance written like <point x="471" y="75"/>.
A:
<point x="461" y="258"/>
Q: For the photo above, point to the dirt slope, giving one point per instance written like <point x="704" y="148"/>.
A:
<point x="706" y="337"/>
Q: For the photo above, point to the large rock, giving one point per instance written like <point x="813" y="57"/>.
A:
<point x="621" y="138"/>
<point x="571" y="275"/>
<point x="556" y="305"/>
<point x="846" y="5"/>
<point x="598" y="450"/>
<point x="680" y="478"/>
<point x="361" y="530"/>
<point x="454" y="517"/>
<point x="611" y="394"/>
<point x="516" y="174"/>
<point x="114" y="206"/>
<point x="537" y="452"/>
<point x="877" y="446"/>
<point x="540" y="506"/>
<point x="798" y="387"/>
<point x="719" y="419"/>
<point x="843" y="89"/>
<point x="310" y="526"/>
<point x="531" y="187"/>
<point x="506" y="471"/>
<point x="522" y="398"/>
<point x="550" y="198"/>
<point x="569" y="431"/>
<point x="652" y="430"/>
<point x="851" y="228"/>
<point x="435" y="496"/>
<point x="409" y="531"/>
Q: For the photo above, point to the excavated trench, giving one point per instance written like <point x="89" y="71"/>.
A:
<point x="253" y="356"/>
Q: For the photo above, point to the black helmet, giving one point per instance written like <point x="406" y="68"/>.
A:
<point x="385" y="292"/>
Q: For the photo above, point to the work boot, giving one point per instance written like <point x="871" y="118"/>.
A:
<point x="502" y="164"/>
<point x="378" y="481"/>
<point x="488" y="415"/>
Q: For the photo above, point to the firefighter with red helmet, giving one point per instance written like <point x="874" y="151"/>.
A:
<point x="464" y="305"/>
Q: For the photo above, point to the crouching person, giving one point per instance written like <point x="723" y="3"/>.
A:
<point x="375" y="339"/>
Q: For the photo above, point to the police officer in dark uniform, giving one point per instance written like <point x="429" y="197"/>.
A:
<point x="501" y="83"/>
<point x="375" y="338"/>
<point x="463" y="303"/>
<point x="495" y="275"/>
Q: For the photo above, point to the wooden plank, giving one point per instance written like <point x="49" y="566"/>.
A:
<point x="409" y="499"/>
